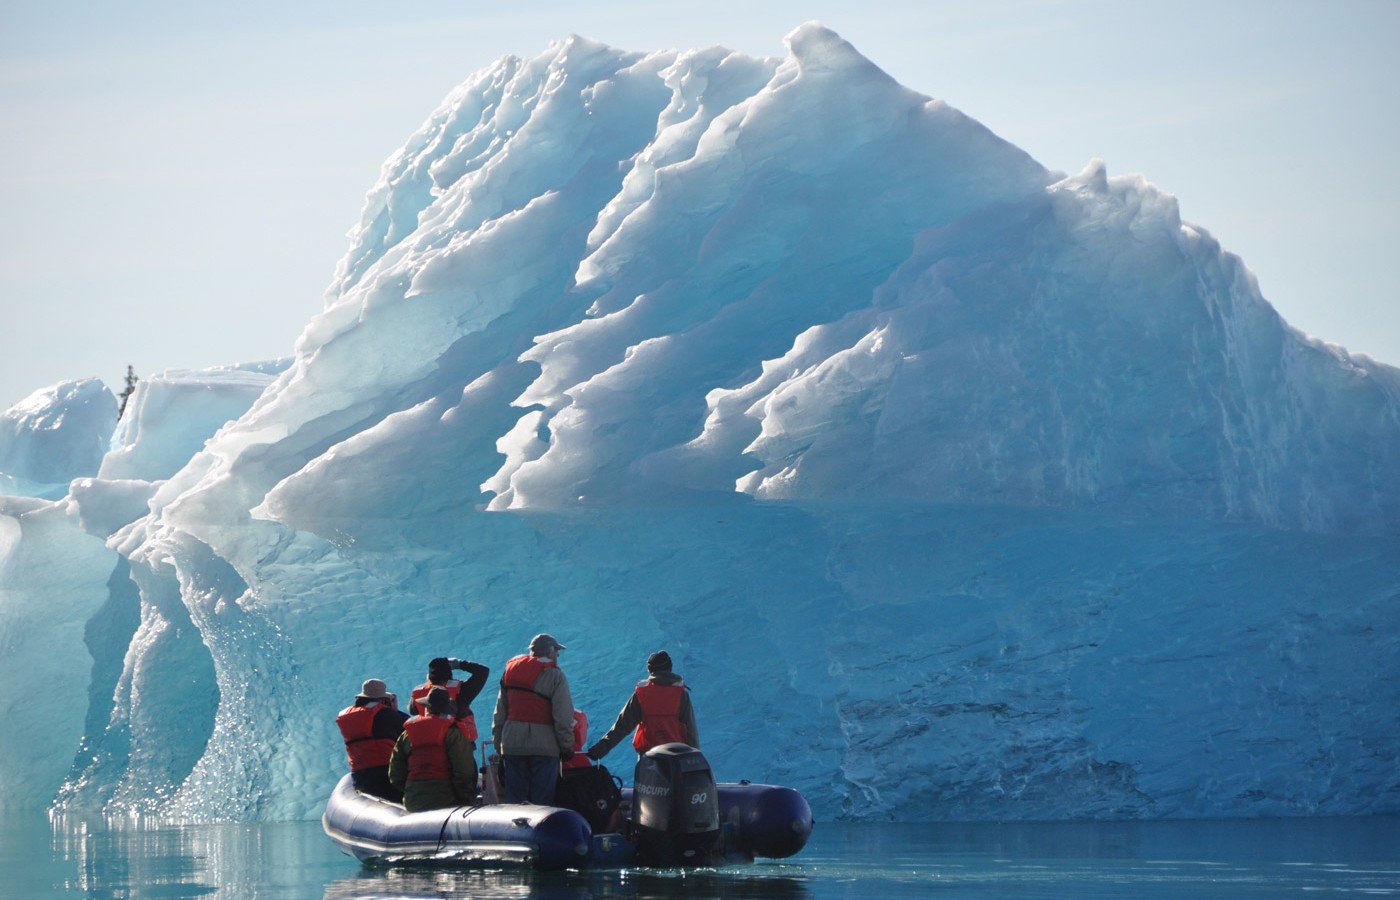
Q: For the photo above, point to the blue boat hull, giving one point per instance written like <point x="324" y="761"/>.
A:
<point x="376" y="830"/>
<point x="756" y="820"/>
<point x="763" y="820"/>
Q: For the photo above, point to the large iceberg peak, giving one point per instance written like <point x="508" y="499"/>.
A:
<point x="630" y="247"/>
<point x="816" y="48"/>
<point x="576" y="49"/>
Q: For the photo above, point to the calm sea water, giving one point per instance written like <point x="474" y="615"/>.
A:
<point x="1268" y="858"/>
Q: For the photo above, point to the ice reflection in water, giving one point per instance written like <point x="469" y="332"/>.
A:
<point x="92" y="858"/>
<point x="747" y="884"/>
<point x="1088" y="859"/>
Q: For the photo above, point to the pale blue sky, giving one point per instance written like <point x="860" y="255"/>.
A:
<point x="177" y="178"/>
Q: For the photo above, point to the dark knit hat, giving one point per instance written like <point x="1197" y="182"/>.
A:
<point x="660" y="661"/>
<point x="440" y="665"/>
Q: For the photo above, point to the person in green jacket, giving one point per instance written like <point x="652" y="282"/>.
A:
<point x="432" y="762"/>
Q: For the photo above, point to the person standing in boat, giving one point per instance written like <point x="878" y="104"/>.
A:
<point x="432" y="760"/>
<point x="533" y="727"/>
<point x="461" y="693"/>
<point x="659" y="709"/>
<point x="370" y="727"/>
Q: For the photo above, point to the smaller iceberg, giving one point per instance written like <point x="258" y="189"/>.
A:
<point x="173" y="413"/>
<point x="54" y="435"/>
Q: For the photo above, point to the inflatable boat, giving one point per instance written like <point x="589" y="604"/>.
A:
<point x="672" y="817"/>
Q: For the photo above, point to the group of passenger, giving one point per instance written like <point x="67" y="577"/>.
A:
<point x="426" y="758"/>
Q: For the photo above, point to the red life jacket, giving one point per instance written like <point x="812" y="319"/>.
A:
<point x="427" y="756"/>
<point x="524" y="703"/>
<point x="418" y="705"/>
<point x="661" y="716"/>
<point x="362" y="748"/>
<point x="580" y="759"/>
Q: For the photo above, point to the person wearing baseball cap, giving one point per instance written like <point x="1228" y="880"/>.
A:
<point x="370" y="726"/>
<point x="533" y="726"/>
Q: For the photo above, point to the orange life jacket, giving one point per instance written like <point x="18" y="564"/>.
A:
<point x="580" y="759"/>
<point x="524" y="703"/>
<point x="418" y="705"/>
<point x="427" y="756"/>
<point x="661" y="716"/>
<point x="362" y="748"/>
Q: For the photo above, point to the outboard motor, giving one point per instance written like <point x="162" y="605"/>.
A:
<point x="675" y="807"/>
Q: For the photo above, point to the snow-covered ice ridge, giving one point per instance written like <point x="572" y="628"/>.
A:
<point x="958" y="488"/>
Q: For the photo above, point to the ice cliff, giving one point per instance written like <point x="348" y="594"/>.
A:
<point x="957" y="487"/>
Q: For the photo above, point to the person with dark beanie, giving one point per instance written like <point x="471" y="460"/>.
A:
<point x="659" y="709"/>
<point x="432" y="762"/>
<point x="461" y="693"/>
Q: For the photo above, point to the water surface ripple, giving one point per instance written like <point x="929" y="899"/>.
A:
<point x="1240" y="858"/>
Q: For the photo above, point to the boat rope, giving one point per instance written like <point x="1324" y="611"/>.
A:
<point x="442" y="832"/>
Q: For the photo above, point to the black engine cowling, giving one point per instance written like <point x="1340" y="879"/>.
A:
<point x="675" y="806"/>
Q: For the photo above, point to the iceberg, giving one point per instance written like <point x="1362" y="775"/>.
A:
<point x="173" y="413"/>
<point x="54" y="435"/>
<point x="958" y="488"/>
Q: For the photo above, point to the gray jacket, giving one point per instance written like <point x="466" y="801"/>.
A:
<point x="516" y="738"/>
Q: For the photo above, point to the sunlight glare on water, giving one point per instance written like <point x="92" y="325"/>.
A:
<point x="1250" y="858"/>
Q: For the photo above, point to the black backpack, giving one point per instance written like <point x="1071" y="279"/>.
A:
<point x="591" y="791"/>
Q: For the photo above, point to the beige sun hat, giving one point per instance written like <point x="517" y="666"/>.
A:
<point x="375" y="689"/>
